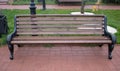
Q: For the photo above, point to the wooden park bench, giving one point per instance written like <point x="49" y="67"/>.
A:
<point x="54" y="29"/>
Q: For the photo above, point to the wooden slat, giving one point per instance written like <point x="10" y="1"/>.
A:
<point x="57" y="15"/>
<point x="62" y="22"/>
<point x="61" y="30"/>
<point x="65" y="32"/>
<point x="37" y="38"/>
<point x="59" y="26"/>
<point x="62" y="41"/>
<point x="59" y="18"/>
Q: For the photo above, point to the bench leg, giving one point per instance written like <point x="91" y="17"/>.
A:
<point x="11" y="49"/>
<point x="100" y="45"/>
<point x="19" y="45"/>
<point x="110" y="49"/>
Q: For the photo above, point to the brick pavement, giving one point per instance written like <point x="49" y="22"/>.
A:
<point x="59" y="7"/>
<point x="60" y="58"/>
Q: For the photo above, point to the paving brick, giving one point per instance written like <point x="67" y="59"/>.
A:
<point x="60" y="58"/>
<point x="117" y="7"/>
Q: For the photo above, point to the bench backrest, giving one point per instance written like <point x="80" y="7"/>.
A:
<point x="60" y="24"/>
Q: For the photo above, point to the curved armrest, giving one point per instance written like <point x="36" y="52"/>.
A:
<point x="10" y="36"/>
<point x="111" y="36"/>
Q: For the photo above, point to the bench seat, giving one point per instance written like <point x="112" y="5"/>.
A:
<point x="60" y="39"/>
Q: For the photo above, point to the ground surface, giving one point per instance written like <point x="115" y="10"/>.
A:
<point x="112" y="7"/>
<point x="60" y="58"/>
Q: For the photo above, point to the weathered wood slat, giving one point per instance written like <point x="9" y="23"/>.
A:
<point x="58" y="32"/>
<point x="62" y="30"/>
<point x="59" y="18"/>
<point x="37" y="38"/>
<point x="62" y="22"/>
<point x="58" y="26"/>
<point x="57" y="15"/>
<point x="62" y="41"/>
<point x="69" y="29"/>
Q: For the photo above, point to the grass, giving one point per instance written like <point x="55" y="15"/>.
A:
<point x="112" y="15"/>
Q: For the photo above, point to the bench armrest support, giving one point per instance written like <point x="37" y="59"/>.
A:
<point x="108" y="34"/>
<point x="10" y="36"/>
<point x="111" y="36"/>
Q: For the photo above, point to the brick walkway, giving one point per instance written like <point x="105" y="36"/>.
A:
<point x="60" y="58"/>
<point x="58" y="7"/>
